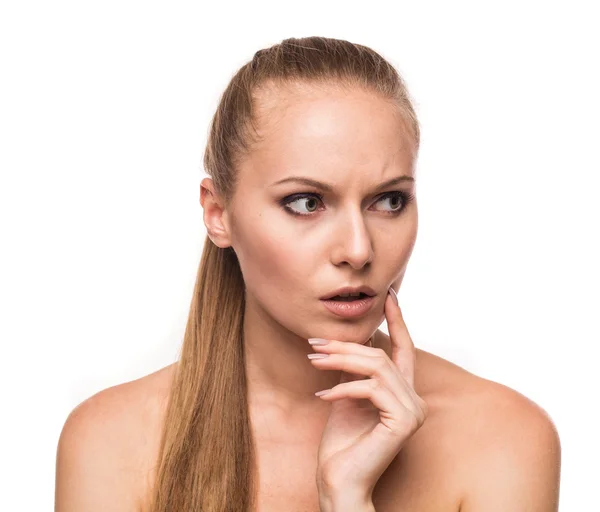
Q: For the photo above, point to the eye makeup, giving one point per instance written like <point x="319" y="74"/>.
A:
<point x="406" y="198"/>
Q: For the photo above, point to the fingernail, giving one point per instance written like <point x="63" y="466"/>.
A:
<point x="321" y="393"/>
<point x="317" y="356"/>
<point x="317" y="341"/>
<point x="393" y="294"/>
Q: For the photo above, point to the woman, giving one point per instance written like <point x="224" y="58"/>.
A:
<point x="311" y="157"/>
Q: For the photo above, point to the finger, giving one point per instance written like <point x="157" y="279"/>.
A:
<point x="320" y="342"/>
<point x="403" y="348"/>
<point x="394" y="414"/>
<point x="345" y="347"/>
<point x="380" y="368"/>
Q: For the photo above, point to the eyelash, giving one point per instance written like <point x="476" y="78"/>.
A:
<point x="405" y="196"/>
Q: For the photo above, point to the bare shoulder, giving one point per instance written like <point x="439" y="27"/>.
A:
<point x="508" y="445"/>
<point x="107" y="443"/>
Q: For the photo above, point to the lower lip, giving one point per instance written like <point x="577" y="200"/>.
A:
<point x="349" y="309"/>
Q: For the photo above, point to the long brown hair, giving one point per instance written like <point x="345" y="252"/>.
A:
<point x="206" y="458"/>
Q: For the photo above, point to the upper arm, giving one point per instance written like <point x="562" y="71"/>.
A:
<point x="93" y="467"/>
<point x="516" y="463"/>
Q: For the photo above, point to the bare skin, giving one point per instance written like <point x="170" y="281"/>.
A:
<point x="482" y="447"/>
<point x="436" y="470"/>
<point x="450" y="464"/>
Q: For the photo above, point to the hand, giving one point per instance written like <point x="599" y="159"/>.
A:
<point x="361" y="439"/>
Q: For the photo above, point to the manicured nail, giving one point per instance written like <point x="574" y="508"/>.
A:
<point x="317" y="341"/>
<point x="393" y="294"/>
<point x="324" y="392"/>
<point x="317" y="356"/>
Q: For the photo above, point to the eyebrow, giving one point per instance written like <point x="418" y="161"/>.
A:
<point x="328" y="188"/>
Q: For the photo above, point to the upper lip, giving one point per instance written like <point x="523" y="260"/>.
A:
<point x="349" y="289"/>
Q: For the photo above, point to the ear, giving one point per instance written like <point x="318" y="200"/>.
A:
<point x="216" y="218"/>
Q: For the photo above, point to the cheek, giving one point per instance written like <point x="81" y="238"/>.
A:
<point x="276" y="274"/>
<point x="271" y="262"/>
<point x="398" y="253"/>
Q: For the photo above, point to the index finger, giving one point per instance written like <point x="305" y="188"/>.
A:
<point x="403" y="348"/>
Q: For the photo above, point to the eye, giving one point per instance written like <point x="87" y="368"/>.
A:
<point x="313" y="200"/>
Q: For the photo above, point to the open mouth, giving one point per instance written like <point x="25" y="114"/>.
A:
<point x="339" y="298"/>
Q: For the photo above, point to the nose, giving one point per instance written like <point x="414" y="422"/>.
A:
<point x="352" y="241"/>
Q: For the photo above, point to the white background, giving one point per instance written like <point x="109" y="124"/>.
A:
<point x="104" y="110"/>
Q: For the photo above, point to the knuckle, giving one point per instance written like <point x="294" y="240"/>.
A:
<point x="374" y="384"/>
<point x="380" y="352"/>
<point x="424" y="407"/>
<point x="381" y="363"/>
<point x="407" y="423"/>
<point x="420" y="414"/>
<point x="412" y="421"/>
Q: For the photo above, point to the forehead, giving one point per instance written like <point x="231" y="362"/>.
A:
<point x="314" y="130"/>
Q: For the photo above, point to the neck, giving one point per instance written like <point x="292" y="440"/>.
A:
<point x="279" y="373"/>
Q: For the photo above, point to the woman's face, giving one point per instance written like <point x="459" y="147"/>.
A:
<point x="298" y="242"/>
